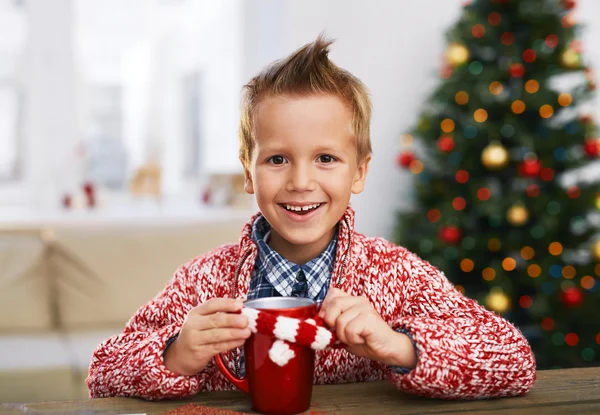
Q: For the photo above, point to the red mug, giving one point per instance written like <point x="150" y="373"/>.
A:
<point x="274" y="389"/>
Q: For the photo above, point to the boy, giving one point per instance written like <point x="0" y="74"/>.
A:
<point x="305" y="148"/>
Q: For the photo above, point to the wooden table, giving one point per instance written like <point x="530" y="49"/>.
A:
<point x="575" y="391"/>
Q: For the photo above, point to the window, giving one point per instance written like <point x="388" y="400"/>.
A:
<point x="10" y="143"/>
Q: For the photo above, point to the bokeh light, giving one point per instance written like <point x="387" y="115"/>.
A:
<point x="459" y="203"/>
<point x="587" y="282"/>
<point x="565" y="99"/>
<point x="525" y="301"/>
<point x="509" y="264"/>
<point x="547" y="324"/>
<point x="462" y="176"/>
<point x="447" y="125"/>
<point x="495" y="88"/>
<point x="467" y="265"/>
<point x="488" y="273"/>
<point x="494" y="244"/>
<point x="518" y="106"/>
<point x="433" y="215"/>
<point x="569" y="272"/>
<point x="532" y="86"/>
<point x="480" y="115"/>
<point x="546" y="111"/>
<point x="527" y="253"/>
<point x="555" y="248"/>
<point x="534" y="270"/>
<point x="461" y="98"/>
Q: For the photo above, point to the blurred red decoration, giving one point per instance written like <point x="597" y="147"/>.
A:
<point x="587" y="119"/>
<point x="572" y="297"/>
<point x="507" y="38"/>
<point x="494" y="18"/>
<point x="517" y="70"/>
<point x="573" y="192"/>
<point x="433" y="215"/>
<point x="446" y="70"/>
<point x="576" y="45"/>
<point x="405" y="158"/>
<point x="450" y="234"/>
<point x="529" y="55"/>
<point x="90" y="194"/>
<point x="478" y="30"/>
<point x="591" y="147"/>
<point x="552" y="41"/>
<point x="67" y="201"/>
<point x="568" y="20"/>
<point x="462" y="176"/>
<point x="530" y="168"/>
<point x="571" y="339"/>
<point x="533" y="190"/>
<point x="445" y="144"/>
<point x="207" y="195"/>
<point x="547" y="174"/>
<point x="569" y="4"/>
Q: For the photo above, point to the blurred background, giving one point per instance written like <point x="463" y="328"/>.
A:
<point x="118" y="149"/>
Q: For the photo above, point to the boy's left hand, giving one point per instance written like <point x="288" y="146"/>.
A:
<point x="366" y="334"/>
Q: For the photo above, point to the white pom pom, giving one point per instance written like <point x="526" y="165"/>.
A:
<point x="280" y="353"/>
<point x="252" y="315"/>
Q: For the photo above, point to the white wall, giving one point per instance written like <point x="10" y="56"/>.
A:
<point x="395" y="47"/>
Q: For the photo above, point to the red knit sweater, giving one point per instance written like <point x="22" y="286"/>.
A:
<point x="464" y="351"/>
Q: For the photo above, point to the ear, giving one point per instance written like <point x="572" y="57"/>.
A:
<point x="248" y="183"/>
<point x="361" y="175"/>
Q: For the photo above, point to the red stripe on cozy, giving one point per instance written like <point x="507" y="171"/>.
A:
<point x="265" y="323"/>
<point x="306" y="334"/>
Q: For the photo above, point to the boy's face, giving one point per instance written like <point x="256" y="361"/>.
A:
<point x="305" y="158"/>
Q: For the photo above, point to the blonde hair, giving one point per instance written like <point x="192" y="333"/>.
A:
<point x="306" y="71"/>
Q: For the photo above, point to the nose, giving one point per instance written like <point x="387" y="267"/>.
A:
<point x="302" y="178"/>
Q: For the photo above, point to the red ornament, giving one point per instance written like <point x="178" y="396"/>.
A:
<point x="517" y="70"/>
<point x="529" y="55"/>
<point x="445" y="144"/>
<point x="587" y="119"/>
<point x="530" y="168"/>
<point x="405" y="158"/>
<point x="572" y="297"/>
<point x="446" y="71"/>
<point x="552" y="41"/>
<point x="450" y="234"/>
<point x="569" y="4"/>
<point x="592" y="147"/>
<point x="90" y="194"/>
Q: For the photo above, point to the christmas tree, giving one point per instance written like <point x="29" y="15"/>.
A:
<point x="505" y="165"/>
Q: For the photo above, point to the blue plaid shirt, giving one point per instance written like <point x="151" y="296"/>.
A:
<point x="275" y="276"/>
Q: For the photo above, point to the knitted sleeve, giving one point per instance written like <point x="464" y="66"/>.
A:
<point x="131" y="363"/>
<point x="465" y="351"/>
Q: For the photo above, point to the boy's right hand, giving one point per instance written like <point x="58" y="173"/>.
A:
<point x="211" y="328"/>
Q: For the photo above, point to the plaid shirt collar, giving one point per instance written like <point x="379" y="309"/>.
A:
<point x="281" y="273"/>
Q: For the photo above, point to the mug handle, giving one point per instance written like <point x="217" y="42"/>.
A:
<point x="241" y="384"/>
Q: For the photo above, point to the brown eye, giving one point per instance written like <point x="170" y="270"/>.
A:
<point x="326" y="158"/>
<point x="277" y="160"/>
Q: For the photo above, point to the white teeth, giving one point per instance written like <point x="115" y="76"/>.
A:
<point x="301" y="208"/>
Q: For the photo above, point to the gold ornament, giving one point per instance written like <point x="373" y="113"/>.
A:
<point x="596" y="250"/>
<point x="517" y="215"/>
<point x="570" y="58"/>
<point x="494" y="156"/>
<point x="598" y="202"/>
<point x="497" y="301"/>
<point x="457" y="54"/>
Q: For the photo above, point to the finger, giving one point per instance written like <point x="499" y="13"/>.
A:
<point x="336" y="307"/>
<point x="215" y="305"/>
<point x="342" y="321"/>
<point x="221" y="335"/>
<point x="331" y="294"/>
<point x="355" y="330"/>
<point x="216" y="348"/>
<point x="219" y="320"/>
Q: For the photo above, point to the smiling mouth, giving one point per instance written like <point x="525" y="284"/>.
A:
<point x="301" y="210"/>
